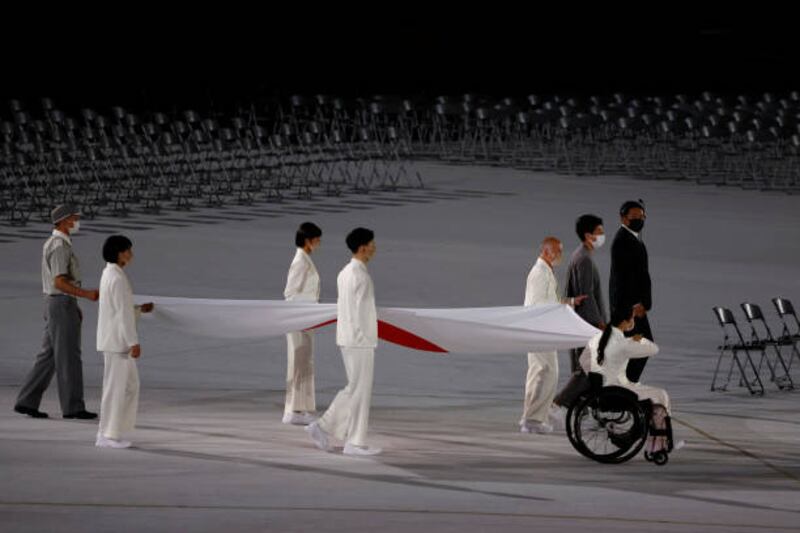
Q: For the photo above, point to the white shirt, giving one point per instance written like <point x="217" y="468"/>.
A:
<point x="117" y="314"/>
<point x="302" y="282"/>
<point x="541" y="287"/>
<point x="632" y="232"/>
<point x="357" y="325"/>
<point x="617" y="353"/>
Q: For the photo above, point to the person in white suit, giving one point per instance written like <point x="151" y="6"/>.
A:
<point x="118" y="340"/>
<point x="539" y="413"/>
<point x="608" y="354"/>
<point x="347" y="417"/>
<point x="302" y="285"/>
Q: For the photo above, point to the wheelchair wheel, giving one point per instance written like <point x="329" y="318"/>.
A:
<point x="660" y="458"/>
<point x="610" y="427"/>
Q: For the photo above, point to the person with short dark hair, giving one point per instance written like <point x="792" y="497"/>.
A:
<point x="302" y="285"/>
<point x="629" y="283"/>
<point x="118" y="340"/>
<point x="61" y="347"/>
<point x="347" y="417"/>
<point x="584" y="278"/>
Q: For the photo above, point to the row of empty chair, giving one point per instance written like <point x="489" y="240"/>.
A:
<point x="153" y="161"/>
<point x="124" y="159"/>
<point x="775" y="352"/>
<point x="746" y="141"/>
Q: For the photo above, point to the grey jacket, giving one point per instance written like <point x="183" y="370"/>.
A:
<point x="583" y="278"/>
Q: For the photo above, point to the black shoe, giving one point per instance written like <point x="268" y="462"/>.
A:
<point x="33" y="413"/>
<point x="82" y="415"/>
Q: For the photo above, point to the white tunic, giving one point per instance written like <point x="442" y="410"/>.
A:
<point x="541" y="287"/>
<point x="116" y="319"/>
<point x="618" y="352"/>
<point x="357" y="325"/>
<point x="302" y="282"/>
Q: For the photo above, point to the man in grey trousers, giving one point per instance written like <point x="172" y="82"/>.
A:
<point x="61" y="346"/>
<point x="584" y="278"/>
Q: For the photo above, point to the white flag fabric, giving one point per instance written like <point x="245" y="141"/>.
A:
<point x="485" y="330"/>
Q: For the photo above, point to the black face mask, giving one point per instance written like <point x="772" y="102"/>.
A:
<point x="636" y="224"/>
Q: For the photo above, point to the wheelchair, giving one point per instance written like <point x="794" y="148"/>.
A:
<point x="611" y="425"/>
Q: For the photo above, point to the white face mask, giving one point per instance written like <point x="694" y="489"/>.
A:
<point x="599" y="241"/>
<point x="75" y="227"/>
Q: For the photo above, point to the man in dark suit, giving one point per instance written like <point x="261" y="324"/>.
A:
<point x="629" y="284"/>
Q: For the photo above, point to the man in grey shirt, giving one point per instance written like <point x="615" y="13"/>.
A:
<point x="584" y="278"/>
<point x="61" y="346"/>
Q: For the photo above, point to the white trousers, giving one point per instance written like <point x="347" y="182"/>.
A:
<point x="300" y="372"/>
<point x="347" y="417"/>
<point x="656" y="395"/>
<point x="540" y="386"/>
<point x="120" y="395"/>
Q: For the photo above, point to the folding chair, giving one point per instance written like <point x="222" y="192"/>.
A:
<point x="765" y="340"/>
<point x="731" y="346"/>
<point x="786" y="309"/>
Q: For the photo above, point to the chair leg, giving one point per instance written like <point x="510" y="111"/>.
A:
<point x="716" y="370"/>
<point x="757" y="375"/>
<point x="785" y="381"/>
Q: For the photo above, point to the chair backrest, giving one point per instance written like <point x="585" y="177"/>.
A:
<point x="724" y="316"/>
<point x="752" y="312"/>
<point x="785" y="309"/>
<point x="728" y="324"/>
<point x="783" y="306"/>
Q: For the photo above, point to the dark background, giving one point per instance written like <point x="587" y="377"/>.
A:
<point x="145" y="57"/>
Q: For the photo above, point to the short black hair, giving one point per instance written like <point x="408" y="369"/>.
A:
<point x="115" y="245"/>
<point x="587" y="224"/>
<point x="359" y="237"/>
<point x="307" y="230"/>
<point x="630" y="204"/>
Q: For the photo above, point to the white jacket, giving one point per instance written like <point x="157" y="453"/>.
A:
<point x="302" y="282"/>
<point x="617" y="353"/>
<point x="541" y="287"/>
<point x="357" y="325"/>
<point x="117" y="314"/>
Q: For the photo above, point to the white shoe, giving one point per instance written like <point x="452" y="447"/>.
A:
<point x="319" y="437"/>
<point x="678" y="445"/>
<point x="557" y="417"/>
<point x="351" y="449"/>
<point x="103" y="442"/>
<point x="542" y="428"/>
<point x="298" y="419"/>
<point x="536" y="427"/>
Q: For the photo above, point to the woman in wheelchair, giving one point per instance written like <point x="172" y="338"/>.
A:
<point x="617" y="417"/>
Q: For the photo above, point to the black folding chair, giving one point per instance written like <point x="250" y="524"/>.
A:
<point x="765" y="341"/>
<point x="785" y="310"/>
<point x="734" y="346"/>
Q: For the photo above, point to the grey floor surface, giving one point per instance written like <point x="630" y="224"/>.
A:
<point x="211" y="454"/>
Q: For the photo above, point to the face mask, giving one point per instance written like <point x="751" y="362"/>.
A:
<point x="599" y="241"/>
<point x="75" y="227"/>
<point x="637" y="224"/>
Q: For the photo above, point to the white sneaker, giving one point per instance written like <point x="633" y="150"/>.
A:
<point x="351" y="449"/>
<point x="319" y="437"/>
<point x="678" y="445"/>
<point x="542" y="428"/>
<point x="557" y="417"/>
<point x="298" y="419"/>
<point x="103" y="442"/>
